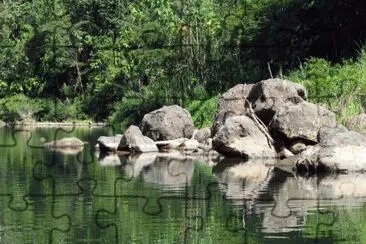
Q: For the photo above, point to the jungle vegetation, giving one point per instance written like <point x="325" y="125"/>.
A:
<point x="115" y="60"/>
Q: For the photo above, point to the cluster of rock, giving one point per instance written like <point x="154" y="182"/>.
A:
<point x="271" y="119"/>
<point x="274" y="119"/>
<point x="170" y="127"/>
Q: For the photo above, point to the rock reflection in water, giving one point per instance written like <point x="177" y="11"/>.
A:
<point x="173" y="172"/>
<point x="108" y="159"/>
<point x="169" y="169"/>
<point x="283" y="200"/>
<point x="67" y="151"/>
<point x="243" y="180"/>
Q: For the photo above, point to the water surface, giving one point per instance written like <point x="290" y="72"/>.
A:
<point x="84" y="197"/>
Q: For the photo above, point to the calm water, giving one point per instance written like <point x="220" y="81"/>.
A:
<point x="83" y="197"/>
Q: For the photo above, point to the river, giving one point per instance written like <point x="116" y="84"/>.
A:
<point x="84" y="197"/>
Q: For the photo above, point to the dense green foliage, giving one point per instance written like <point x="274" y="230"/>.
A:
<point x="340" y="87"/>
<point x="114" y="60"/>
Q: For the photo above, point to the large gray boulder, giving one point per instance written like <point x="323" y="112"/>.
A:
<point x="240" y="136"/>
<point x="342" y="149"/>
<point x="268" y="96"/>
<point x="133" y="140"/>
<point x="231" y="103"/>
<point x="167" y="123"/>
<point x="338" y="150"/>
<point x="109" y="143"/>
<point x="265" y="97"/>
<point x="301" y="121"/>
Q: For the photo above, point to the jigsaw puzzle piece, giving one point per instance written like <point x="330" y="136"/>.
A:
<point x="22" y="226"/>
<point x="174" y="223"/>
<point x="161" y="180"/>
<point x="245" y="180"/>
<point x="153" y="171"/>
<point x="61" y="169"/>
<point x="16" y="160"/>
<point x="9" y="137"/>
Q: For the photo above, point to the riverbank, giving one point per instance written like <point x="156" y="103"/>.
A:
<point x="56" y="124"/>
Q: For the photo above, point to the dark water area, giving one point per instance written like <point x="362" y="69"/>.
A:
<point x="84" y="197"/>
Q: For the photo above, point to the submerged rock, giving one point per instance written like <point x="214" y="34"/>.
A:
<point x="240" y="136"/>
<point x="68" y="146"/>
<point x="71" y="142"/>
<point x="167" y="123"/>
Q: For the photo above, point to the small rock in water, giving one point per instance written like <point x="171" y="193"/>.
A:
<point x="71" y="142"/>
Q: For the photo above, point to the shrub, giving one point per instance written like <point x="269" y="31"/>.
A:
<point x="60" y="111"/>
<point x="18" y="108"/>
<point x="340" y="87"/>
<point x="203" y="111"/>
<point x="135" y="105"/>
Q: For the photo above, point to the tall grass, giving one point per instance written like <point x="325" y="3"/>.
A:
<point x="340" y="87"/>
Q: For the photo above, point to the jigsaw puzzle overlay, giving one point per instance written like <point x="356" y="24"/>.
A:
<point x="53" y="196"/>
<point x="74" y="196"/>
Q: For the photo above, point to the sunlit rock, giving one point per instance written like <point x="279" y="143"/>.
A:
<point x="268" y="96"/>
<point x="133" y="141"/>
<point x="240" y="137"/>
<point x="167" y="123"/>
<point x="301" y="121"/>
<point x="109" y="143"/>
<point x="231" y="103"/>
